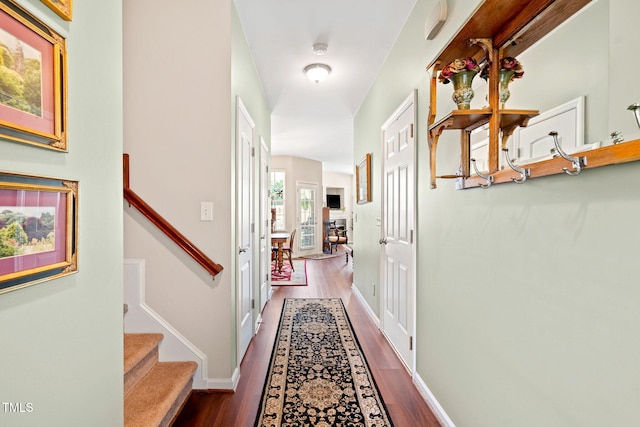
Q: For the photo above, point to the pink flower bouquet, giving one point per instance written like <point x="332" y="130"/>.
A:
<point x="508" y="63"/>
<point x="458" y="65"/>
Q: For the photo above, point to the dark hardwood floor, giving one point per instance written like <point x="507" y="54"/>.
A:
<point x="330" y="278"/>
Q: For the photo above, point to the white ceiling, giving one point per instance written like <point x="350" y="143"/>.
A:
<point x="310" y="120"/>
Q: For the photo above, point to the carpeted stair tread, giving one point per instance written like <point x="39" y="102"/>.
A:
<point x="157" y="397"/>
<point x="140" y="354"/>
<point x="137" y="346"/>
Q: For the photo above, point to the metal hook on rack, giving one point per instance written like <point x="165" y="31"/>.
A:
<point x="636" y="112"/>
<point x="524" y="173"/>
<point x="578" y="162"/>
<point x="489" y="178"/>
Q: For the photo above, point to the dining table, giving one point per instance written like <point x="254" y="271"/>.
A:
<point x="278" y="239"/>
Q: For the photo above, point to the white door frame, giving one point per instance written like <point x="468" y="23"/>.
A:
<point x="411" y="99"/>
<point x="264" y="230"/>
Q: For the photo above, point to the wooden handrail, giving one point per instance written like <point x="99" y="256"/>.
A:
<point x="164" y="226"/>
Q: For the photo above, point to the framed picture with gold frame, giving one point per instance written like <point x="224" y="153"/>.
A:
<point x="38" y="229"/>
<point x="363" y="180"/>
<point x="33" y="98"/>
<point x="62" y="7"/>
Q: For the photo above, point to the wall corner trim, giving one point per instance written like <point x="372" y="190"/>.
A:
<point x="366" y="305"/>
<point x="433" y="403"/>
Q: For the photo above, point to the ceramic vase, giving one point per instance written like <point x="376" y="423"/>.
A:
<point x="503" y="86"/>
<point x="462" y="92"/>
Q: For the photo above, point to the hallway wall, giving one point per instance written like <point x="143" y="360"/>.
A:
<point x="180" y="109"/>
<point x="526" y="293"/>
<point x="61" y="340"/>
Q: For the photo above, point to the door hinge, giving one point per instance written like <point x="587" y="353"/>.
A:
<point x="253" y="227"/>
<point x="253" y="151"/>
<point x="411" y="343"/>
<point x="253" y="304"/>
<point x="266" y="277"/>
<point x="411" y="130"/>
<point x="411" y="236"/>
<point x="267" y="168"/>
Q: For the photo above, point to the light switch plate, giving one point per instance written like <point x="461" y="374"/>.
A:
<point x="206" y="211"/>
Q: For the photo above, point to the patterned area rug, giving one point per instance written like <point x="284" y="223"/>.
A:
<point x="323" y="256"/>
<point x="318" y="375"/>
<point x="289" y="277"/>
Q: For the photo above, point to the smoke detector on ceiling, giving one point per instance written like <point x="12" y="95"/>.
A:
<point x="320" y="48"/>
<point x="435" y="20"/>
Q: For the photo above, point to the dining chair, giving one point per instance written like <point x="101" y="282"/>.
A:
<point x="287" y="249"/>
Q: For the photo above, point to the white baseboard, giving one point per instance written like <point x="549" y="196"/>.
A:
<point x="433" y="403"/>
<point x="257" y="325"/>
<point x="424" y="391"/>
<point x="224" y="383"/>
<point x="364" y="302"/>
<point x="140" y="318"/>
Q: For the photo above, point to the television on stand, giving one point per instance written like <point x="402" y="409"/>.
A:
<point x="333" y="201"/>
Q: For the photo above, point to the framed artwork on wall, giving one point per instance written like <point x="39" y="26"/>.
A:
<point x="363" y="180"/>
<point x="33" y="72"/>
<point x="62" y="7"/>
<point x="38" y="230"/>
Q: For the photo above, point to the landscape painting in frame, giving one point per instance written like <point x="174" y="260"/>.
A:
<point x="38" y="230"/>
<point x="62" y="7"/>
<point x="32" y="80"/>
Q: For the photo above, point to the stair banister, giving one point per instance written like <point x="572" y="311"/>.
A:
<point x="163" y="225"/>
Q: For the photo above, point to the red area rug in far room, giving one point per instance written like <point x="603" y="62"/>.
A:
<point x="287" y="277"/>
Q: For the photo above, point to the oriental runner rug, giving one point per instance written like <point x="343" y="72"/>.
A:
<point x="318" y="375"/>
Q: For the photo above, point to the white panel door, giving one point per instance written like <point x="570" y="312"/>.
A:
<point x="244" y="188"/>
<point x="265" y="247"/>
<point x="398" y="277"/>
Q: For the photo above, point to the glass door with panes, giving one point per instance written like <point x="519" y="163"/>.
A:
<point x="307" y="217"/>
<point x="277" y="200"/>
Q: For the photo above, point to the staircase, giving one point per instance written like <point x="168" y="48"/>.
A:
<point x="153" y="391"/>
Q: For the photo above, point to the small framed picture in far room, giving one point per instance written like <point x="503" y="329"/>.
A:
<point x="363" y="180"/>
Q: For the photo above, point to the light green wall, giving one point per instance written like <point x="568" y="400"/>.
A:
<point x="404" y="71"/>
<point x="526" y="293"/>
<point x="245" y="82"/>
<point x="61" y="340"/>
<point x="246" y="85"/>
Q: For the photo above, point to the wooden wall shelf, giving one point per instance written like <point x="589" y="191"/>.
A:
<point x="498" y="28"/>
<point x="461" y="119"/>
<point x="467" y="121"/>
<point x="516" y="25"/>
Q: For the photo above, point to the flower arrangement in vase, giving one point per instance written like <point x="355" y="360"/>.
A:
<point x="461" y="72"/>
<point x="510" y="69"/>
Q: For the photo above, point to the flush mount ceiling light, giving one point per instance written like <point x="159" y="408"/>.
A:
<point x="317" y="72"/>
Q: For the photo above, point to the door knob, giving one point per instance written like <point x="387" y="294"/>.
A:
<point x="383" y="241"/>
<point x="241" y="250"/>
